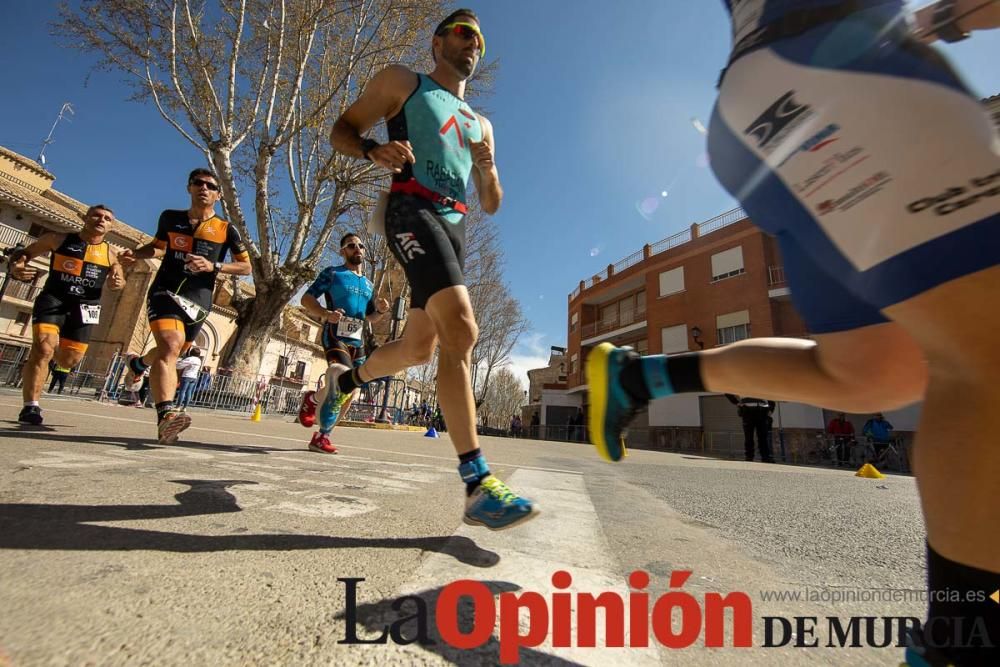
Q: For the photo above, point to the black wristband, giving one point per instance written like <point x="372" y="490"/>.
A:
<point x="945" y="24"/>
<point x="367" y="146"/>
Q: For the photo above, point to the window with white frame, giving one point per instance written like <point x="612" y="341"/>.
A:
<point x="732" y="327"/>
<point x="672" y="281"/>
<point x="727" y="263"/>
<point x="674" y="339"/>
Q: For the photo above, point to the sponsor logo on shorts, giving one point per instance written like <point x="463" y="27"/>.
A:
<point x="834" y="166"/>
<point x="817" y="142"/>
<point x="860" y="192"/>
<point x="775" y="124"/>
<point x="958" y="197"/>
<point x="408" y="245"/>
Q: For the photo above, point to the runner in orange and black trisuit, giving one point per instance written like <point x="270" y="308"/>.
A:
<point x="69" y="304"/>
<point x="192" y="245"/>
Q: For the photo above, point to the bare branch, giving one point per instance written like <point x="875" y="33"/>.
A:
<point x="202" y="65"/>
<point x="237" y="42"/>
<point x="167" y="117"/>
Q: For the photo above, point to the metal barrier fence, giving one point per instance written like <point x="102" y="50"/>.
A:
<point x="380" y="400"/>
<point x="229" y="392"/>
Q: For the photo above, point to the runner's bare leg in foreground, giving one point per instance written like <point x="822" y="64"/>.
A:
<point x="891" y="243"/>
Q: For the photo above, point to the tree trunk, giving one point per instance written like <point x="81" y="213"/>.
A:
<point x="259" y="317"/>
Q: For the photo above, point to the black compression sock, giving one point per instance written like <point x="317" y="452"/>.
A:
<point x="348" y="382"/>
<point x="655" y="376"/>
<point x="632" y="379"/>
<point x="163" y="408"/>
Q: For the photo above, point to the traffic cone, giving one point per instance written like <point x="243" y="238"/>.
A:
<point x="869" y="471"/>
<point x="255" y="417"/>
<point x="431" y="433"/>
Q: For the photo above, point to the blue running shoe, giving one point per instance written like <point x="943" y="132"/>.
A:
<point x="495" y="506"/>
<point x="611" y="407"/>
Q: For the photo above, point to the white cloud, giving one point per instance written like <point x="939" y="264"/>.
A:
<point x="531" y="353"/>
<point x="532" y="344"/>
<point x="520" y="364"/>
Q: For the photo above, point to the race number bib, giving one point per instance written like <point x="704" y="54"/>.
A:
<point x="195" y="312"/>
<point x="348" y="327"/>
<point x="90" y="313"/>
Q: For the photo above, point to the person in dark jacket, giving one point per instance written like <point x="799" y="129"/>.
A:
<point x="756" y="416"/>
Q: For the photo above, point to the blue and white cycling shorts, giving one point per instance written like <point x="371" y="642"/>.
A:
<point x="868" y="158"/>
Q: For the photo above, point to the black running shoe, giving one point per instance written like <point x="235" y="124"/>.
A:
<point x="30" y="414"/>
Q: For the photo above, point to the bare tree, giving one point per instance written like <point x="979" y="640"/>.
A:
<point x="256" y="85"/>
<point x="503" y="399"/>
<point x="499" y="315"/>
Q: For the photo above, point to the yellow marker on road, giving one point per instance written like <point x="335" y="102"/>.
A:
<point x="255" y="417"/>
<point x="869" y="471"/>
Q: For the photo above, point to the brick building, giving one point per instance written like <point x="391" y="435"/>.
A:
<point x="715" y="283"/>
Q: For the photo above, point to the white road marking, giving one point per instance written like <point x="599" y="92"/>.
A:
<point x="301" y="441"/>
<point x="567" y="535"/>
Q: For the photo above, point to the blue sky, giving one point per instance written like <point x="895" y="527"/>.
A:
<point x="592" y="114"/>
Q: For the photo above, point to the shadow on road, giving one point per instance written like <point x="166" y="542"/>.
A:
<point x="67" y="527"/>
<point x="377" y="616"/>
<point x="139" y="443"/>
<point x="28" y="428"/>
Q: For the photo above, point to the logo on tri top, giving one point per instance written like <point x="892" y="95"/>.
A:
<point x="70" y="266"/>
<point x="453" y="123"/>
<point x="408" y="245"/>
<point x="774" y="125"/>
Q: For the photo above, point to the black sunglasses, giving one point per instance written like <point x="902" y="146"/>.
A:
<point x="354" y="246"/>
<point x="197" y="182"/>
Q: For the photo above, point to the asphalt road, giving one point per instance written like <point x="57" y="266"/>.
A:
<point x="229" y="548"/>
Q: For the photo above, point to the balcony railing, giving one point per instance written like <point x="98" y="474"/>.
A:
<point x="775" y="275"/>
<point x="625" y="319"/>
<point x="18" y="290"/>
<point x="680" y="238"/>
<point x="11" y="236"/>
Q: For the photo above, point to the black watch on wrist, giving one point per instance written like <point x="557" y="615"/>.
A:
<point x="368" y="145"/>
<point x="945" y="24"/>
